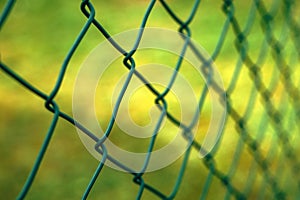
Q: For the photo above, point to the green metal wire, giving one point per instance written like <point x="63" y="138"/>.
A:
<point x="8" y="7"/>
<point x="273" y="117"/>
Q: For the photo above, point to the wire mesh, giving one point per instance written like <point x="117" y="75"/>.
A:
<point x="262" y="119"/>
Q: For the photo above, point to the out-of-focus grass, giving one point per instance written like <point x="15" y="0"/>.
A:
<point x="34" y="41"/>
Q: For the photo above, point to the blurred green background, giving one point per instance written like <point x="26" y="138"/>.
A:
<point x="34" y="41"/>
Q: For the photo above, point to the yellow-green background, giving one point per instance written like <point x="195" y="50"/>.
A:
<point x="34" y="41"/>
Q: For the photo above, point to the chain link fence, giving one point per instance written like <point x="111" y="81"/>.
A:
<point x="257" y="54"/>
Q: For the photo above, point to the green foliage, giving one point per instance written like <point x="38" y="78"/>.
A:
<point x="34" y="41"/>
